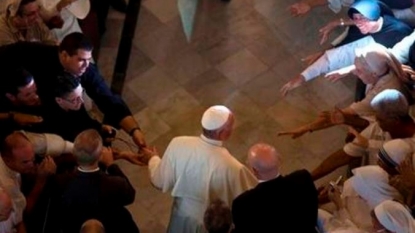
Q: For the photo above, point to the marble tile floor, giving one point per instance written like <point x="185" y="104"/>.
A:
<point x="240" y="55"/>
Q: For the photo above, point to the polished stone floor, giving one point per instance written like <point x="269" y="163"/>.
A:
<point x="240" y="55"/>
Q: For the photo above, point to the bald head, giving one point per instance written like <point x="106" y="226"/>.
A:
<point x="264" y="160"/>
<point x="17" y="153"/>
<point x="12" y="142"/>
<point x="92" y="226"/>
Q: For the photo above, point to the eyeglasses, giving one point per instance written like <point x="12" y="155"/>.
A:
<point x="76" y="100"/>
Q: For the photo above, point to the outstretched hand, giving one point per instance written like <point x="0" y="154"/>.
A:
<point x="337" y="117"/>
<point x="326" y="30"/>
<point x="296" y="133"/>
<point x="129" y="156"/>
<point x="336" y="75"/>
<point x="293" y="83"/>
<point x="299" y="8"/>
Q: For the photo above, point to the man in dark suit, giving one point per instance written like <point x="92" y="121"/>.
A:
<point x="72" y="56"/>
<point x="91" y="192"/>
<point x="278" y="203"/>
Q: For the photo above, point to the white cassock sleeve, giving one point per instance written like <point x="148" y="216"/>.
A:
<point x="161" y="173"/>
<point x="335" y="58"/>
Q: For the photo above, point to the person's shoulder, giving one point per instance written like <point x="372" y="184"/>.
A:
<point x="91" y="71"/>
<point x="396" y="23"/>
<point x="299" y="173"/>
<point x="245" y="196"/>
<point x="300" y="177"/>
<point x="184" y="139"/>
<point x="63" y="179"/>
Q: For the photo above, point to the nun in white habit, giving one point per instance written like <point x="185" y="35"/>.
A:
<point x="379" y="70"/>
<point x="392" y="216"/>
<point x="394" y="152"/>
<point x="361" y="193"/>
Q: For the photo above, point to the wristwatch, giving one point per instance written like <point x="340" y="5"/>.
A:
<point x="341" y="22"/>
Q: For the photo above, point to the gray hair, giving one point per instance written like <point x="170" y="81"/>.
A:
<point x="87" y="147"/>
<point x="390" y="103"/>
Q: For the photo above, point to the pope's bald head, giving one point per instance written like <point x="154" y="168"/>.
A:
<point x="264" y="160"/>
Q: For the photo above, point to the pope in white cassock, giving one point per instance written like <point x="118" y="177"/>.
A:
<point x="199" y="169"/>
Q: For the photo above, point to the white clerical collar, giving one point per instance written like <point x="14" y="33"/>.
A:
<point x="261" y="181"/>
<point x="88" y="171"/>
<point x="211" y="141"/>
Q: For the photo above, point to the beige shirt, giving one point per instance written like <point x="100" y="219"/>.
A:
<point x="376" y="137"/>
<point x="37" y="33"/>
<point x="11" y="181"/>
<point x="197" y="170"/>
<point x="363" y="107"/>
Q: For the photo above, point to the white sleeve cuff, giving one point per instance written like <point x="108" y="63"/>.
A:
<point x="153" y="163"/>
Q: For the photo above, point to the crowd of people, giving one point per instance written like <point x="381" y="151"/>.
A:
<point x="57" y="169"/>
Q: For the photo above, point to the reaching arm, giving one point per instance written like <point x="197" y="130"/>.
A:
<point x="331" y="163"/>
<point x="335" y="58"/>
<point x="130" y="125"/>
<point x="327" y="119"/>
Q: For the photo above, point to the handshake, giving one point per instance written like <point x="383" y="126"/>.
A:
<point x="141" y="158"/>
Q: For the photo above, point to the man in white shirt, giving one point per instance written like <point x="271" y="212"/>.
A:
<point x="7" y="214"/>
<point x="17" y="157"/>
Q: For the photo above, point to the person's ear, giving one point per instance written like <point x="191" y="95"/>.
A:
<point x="58" y="100"/>
<point x="65" y="55"/>
<point x="255" y="172"/>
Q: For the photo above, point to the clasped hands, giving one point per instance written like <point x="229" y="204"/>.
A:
<point x="141" y="158"/>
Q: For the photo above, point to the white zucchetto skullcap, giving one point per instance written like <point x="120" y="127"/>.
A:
<point x="215" y="117"/>
<point x="390" y="102"/>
